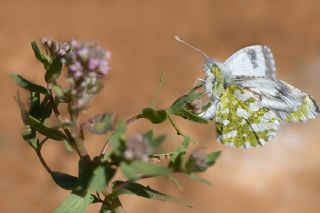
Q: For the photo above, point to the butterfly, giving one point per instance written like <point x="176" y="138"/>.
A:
<point x="247" y="102"/>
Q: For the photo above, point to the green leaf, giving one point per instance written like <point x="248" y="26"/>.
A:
<point x="46" y="108"/>
<point x="101" y="176"/>
<point x="34" y="143"/>
<point x="194" y="177"/>
<point x="154" y="142"/>
<point x="29" y="136"/>
<point x="117" y="141"/>
<point x="176" y="160"/>
<point x="45" y="60"/>
<point x="54" y="70"/>
<point x="63" y="180"/>
<point x="40" y="111"/>
<point x="136" y="169"/>
<point x="68" y="146"/>
<point x="100" y="124"/>
<point x="94" y="177"/>
<point x="186" y="114"/>
<point x="157" y="141"/>
<point x="44" y="130"/>
<point x="147" y="192"/>
<point x="28" y="85"/>
<point x="74" y="203"/>
<point x="182" y="101"/>
<point x="58" y="90"/>
<point x="128" y="171"/>
<point x="148" y="135"/>
<point x="106" y="209"/>
<point x="155" y="116"/>
<point x="212" y="157"/>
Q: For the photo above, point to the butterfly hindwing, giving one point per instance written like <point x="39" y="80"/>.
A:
<point x="255" y="60"/>
<point x="241" y="121"/>
<point x="289" y="103"/>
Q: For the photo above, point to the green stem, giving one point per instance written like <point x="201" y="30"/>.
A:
<point x="43" y="162"/>
<point x="78" y="145"/>
<point x="175" y="126"/>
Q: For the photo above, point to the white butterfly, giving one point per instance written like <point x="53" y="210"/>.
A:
<point x="247" y="102"/>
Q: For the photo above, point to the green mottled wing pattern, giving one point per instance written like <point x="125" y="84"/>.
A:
<point x="289" y="103"/>
<point x="248" y="102"/>
<point x="241" y="120"/>
<point x="308" y="109"/>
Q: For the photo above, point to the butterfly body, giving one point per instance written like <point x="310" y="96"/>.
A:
<point x="248" y="103"/>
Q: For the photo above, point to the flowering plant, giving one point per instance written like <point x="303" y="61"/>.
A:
<point x="135" y="156"/>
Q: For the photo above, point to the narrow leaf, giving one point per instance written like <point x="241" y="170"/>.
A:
<point x="44" y="130"/>
<point x="186" y="114"/>
<point x="28" y="85"/>
<point x="147" y="192"/>
<point x="41" y="57"/>
<point x="54" y="70"/>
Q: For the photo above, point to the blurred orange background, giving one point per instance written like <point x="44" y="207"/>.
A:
<point x="283" y="176"/>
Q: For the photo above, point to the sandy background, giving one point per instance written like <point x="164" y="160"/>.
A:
<point x="284" y="176"/>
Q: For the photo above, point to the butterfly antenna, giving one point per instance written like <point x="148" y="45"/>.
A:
<point x="189" y="45"/>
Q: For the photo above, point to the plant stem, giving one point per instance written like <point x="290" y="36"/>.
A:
<point x="75" y="133"/>
<point x="132" y="119"/>
<point x="78" y="145"/>
<point x="43" y="162"/>
<point x="175" y="126"/>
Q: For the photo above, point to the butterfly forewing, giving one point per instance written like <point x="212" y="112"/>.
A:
<point x="256" y="60"/>
<point x="241" y="121"/>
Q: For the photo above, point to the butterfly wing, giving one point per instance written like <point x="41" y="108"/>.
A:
<point x="287" y="102"/>
<point x="241" y="121"/>
<point x="256" y="60"/>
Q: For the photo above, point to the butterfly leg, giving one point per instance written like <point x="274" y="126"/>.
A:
<point x="197" y="81"/>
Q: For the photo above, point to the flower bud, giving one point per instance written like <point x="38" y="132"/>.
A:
<point x="197" y="161"/>
<point x="138" y="148"/>
<point x="55" y="48"/>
